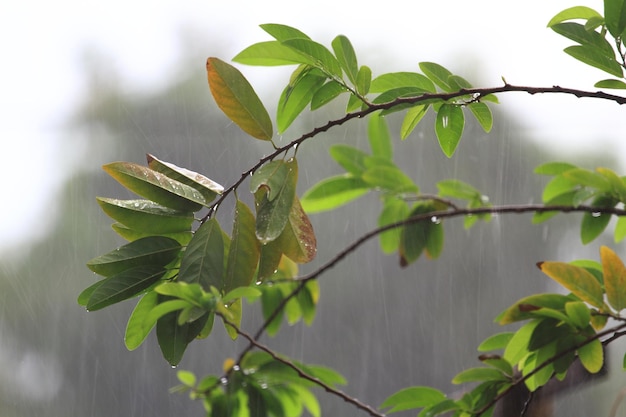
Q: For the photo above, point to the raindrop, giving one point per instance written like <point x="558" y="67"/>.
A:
<point x="595" y="214"/>
<point x="236" y="368"/>
<point x="484" y="199"/>
<point x="263" y="385"/>
<point x="174" y="366"/>
<point x="435" y="220"/>
<point x="444" y="121"/>
<point x="259" y="282"/>
<point x="223" y="381"/>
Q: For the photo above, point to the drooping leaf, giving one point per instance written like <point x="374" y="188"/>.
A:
<point x="275" y="189"/>
<point x="244" y="250"/>
<point x="592" y="356"/>
<point x="363" y="80"/>
<point x="457" y="189"/>
<point x="350" y="158"/>
<point x="270" y="300"/>
<point x="578" y="33"/>
<point x="319" y="56"/>
<point x="379" y="136"/>
<point x="414" y="236"/>
<point x="394" y="210"/>
<point x="146" y="216"/>
<point x="449" y="127"/>
<point x="269" y="259"/>
<point x="435" y="239"/>
<point x="482" y="113"/>
<point x="412" y="118"/>
<point x="591" y="56"/>
<point x="437" y="74"/>
<point x="333" y="192"/>
<point x="614" y="273"/>
<point x="390" y="178"/>
<point x="155" y="186"/>
<point x="593" y="224"/>
<point x="270" y="53"/>
<point x="203" y="261"/>
<point x="576" y="279"/>
<point x="344" y="51"/>
<point x="124" y="285"/>
<point x="136" y="329"/>
<point x="576" y="12"/>
<point x="615" y="17"/>
<point x="234" y="311"/>
<point x="297" y="240"/>
<point x="237" y="99"/>
<point x="412" y="397"/>
<point x="579" y="313"/>
<point x="85" y="295"/>
<point x="154" y="251"/>
<point x="297" y="95"/>
<point x="207" y="187"/>
<point x="174" y="338"/>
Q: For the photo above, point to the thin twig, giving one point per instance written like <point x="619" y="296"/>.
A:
<point x="302" y="374"/>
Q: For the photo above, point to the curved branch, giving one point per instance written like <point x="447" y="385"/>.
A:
<point x="475" y="93"/>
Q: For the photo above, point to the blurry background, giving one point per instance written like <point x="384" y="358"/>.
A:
<point x="88" y="83"/>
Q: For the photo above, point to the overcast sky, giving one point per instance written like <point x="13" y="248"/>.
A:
<point x="42" y="43"/>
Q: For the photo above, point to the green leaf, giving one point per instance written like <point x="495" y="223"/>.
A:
<point x="457" y="189"/>
<point x="153" y="250"/>
<point x="379" y="136"/>
<point x="241" y="292"/>
<point x="394" y="210"/>
<point x="203" y="261"/>
<point x="297" y="95"/>
<point x="136" y="329"/>
<point x="297" y="240"/>
<point x="131" y="234"/>
<point x="270" y="53"/>
<point x="591" y="56"/>
<point x="173" y="338"/>
<point x="283" y="32"/>
<point x="164" y="308"/>
<point x="243" y="255"/>
<point x="327" y="93"/>
<point x="577" y="12"/>
<point x="557" y="186"/>
<point x="614" y="273"/>
<point x="615" y="16"/>
<point x="615" y="84"/>
<point x="346" y="56"/>
<point x="522" y="308"/>
<point x="588" y="178"/>
<point x="495" y="342"/>
<point x="414" y="236"/>
<point x="554" y="168"/>
<point x="391" y="179"/>
<point x="498" y="363"/>
<point x="620" y="229"/>
<point x="592" y="356"/>
<point x="237" y="99"/>
<point x="517" y="347"/>
<point x="449" y="127"/>
<point x="363" y="80"/>
<point x="207" y="187"/>
<point x="543" y="375"/>
<point x="616" y="184"/>
<point x="578" y="313"/>
<point x="271" y="298"/>
<point x="234" y="311"/>
<point x="146" y="216"/>
<point x="350" y="158"/>
<point x="412" y="397"/>
<point x="578" y="33"/>
<point x="124" y="285"/>
<point x="155" y="186"/>
<point x="83" y="297"/>
<point x="482" y="113"/>
<point x="395" y="80"/>
<point x="333" y="192"/>
<point x="317" y="54"/>
<point x="479" y="374"/>
<point x="546" y="332"/>
<point x="576" y="279"/>
<point x="438" y="74"/>
<point x="412" y="118"/>
<point x="593" y="224"/>
<point x="435" y="239"/>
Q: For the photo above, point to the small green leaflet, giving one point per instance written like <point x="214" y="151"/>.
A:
<point x="413" y="397"/>
<point x="346" y="56"/>
<point x="449" y="127"/>
<point x="333" y="192"/>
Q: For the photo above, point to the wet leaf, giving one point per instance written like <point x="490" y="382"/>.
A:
<point x="415" y="235"/>
<point x="146" y="216"/>
<point x="327" y="93"/>
<point x="394" y="210"/>
<point x="203" y="261"/>
<point x="614" y="273"/>
<point x="317" y="54"/>
<point x="344" y="51"/>
<point x="124" y="285"/>
<point x="155" y="186"/>
<point x="390" y="178"/>
<point x="173" y="338"/>
<point x="350" y="158"/>
<point x="297" y="240"/>
<point x="449" y="128"/>
<point x="207" y="187"/>
<point x="576" y="279"/>
<point x="438" y="74"/>
<point x="592" y="356"/>
<point x="274" y="186"/>
<point x="237" y="99"/>
<point x="136" y="329"/>
<point x="393" y="80"/>
<point x="483" y="115"/>
<point x="333" y="192"/>
<point x="522" y="308"/>
<point x="234" y="311"/>
<point x="244" y="250"/>
<point x="153" y="251"/>
<point x="412" y="118"/>
<point x="593" y="224"/>
<point x="131" y="234"/>
<point x="379" y="136"/>
<point x="412" y="397"/>
<point x="479" y="374"/>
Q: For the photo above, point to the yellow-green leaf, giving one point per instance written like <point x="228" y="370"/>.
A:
<point x="146" y="216"/>
<point x="614" y="273"/>
<point x="297" y="241"/>
<point x="592" y="356"/>
<point x="576" y="279"/>
<point x="237" y="99"/>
